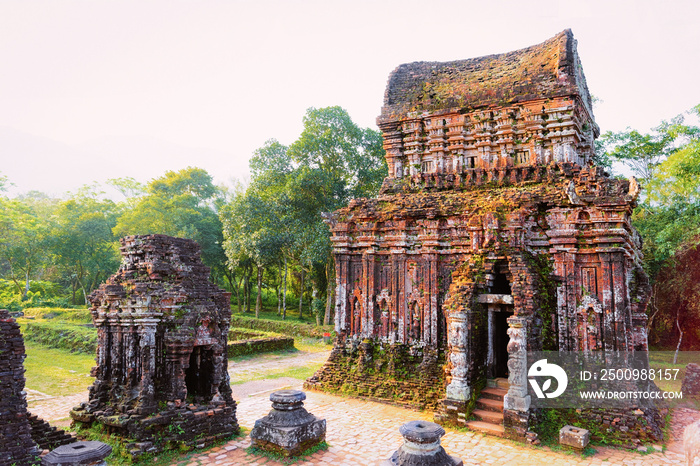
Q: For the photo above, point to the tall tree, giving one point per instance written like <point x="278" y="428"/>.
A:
<point x="183" y="204"/>
<point x="82" y="242"/>
<point x="23" y="238"/>
<point x="24" y="234"/>
<point x="337" y="161"/>
<point x="279" y="218"/>
<point x="668" y="216"/>
<point x="254" y="221"/>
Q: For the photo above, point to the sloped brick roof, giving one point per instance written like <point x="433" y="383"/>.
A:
<point x="546" y="70"/>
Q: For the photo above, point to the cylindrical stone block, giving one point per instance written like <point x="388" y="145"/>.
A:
<point x="421" y="447"/>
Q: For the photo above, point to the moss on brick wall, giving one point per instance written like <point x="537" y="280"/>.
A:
<point x="383" y="372"/>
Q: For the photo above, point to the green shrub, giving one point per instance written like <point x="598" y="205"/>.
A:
<point x="41" y="293"/>
<point x="279" y="326"/>
<point x="80" y="316"/>
<point x="238" y="333"/>
<point x="259" y="345"/>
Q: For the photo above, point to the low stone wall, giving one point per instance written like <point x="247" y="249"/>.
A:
<point x="287" y="328"/>
<point x="259" y="345"/>
<point x="394" y="374"/>
<point x="623" y="427"/>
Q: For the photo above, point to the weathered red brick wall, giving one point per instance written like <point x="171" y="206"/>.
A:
<point x="490" y="191"/>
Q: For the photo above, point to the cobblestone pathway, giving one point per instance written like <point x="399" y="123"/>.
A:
<point x="365" y="433"/>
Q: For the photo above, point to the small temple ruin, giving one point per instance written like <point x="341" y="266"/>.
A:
<point x="161" y="374"/>
<point x="493" y="235"/>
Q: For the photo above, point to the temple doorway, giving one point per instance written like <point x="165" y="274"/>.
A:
<point x="199" y="374"/>
<point x="498" y="341"/>
<point x="499" y="305"/>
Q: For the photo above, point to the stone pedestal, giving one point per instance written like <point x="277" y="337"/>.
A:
<point x="289" y="429"/>
<point x="421" y="447"/>
<point x="78" y="453"/>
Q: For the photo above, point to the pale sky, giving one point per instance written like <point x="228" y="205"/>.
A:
<point x="91" y="90"/>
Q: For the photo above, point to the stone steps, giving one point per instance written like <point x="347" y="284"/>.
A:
<point x="489" y="409"/>
<point x="500" y="382"/>
<point x="494" y="393"/>
<point x="488" y="416"/>
<point x="486" y="428"/>
<point x="488" y="404"/>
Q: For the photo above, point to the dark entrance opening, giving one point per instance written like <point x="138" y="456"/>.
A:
<point x="200" y="373"/>
<point x="500" y="344"/>
<point x="500" y="284"/>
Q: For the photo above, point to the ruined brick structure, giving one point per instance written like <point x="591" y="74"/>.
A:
<point x="493" y="235"/>
<point x="16" y="444"/>
<point x="22" y="434"/>
<point x="161" y="375"/>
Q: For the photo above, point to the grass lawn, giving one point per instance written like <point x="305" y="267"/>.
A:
<point x="299" y="372"/>
<point x="57" y="372"/>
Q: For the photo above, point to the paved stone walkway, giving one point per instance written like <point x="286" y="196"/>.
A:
<point x="366" y="433"/>
<point x="363" y="433"/>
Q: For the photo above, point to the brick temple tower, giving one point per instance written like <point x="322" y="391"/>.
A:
<point x="161" y="375"/>
<point x="493" y="235"/>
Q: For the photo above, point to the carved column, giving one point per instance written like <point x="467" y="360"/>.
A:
<point x="458" y="389"/>
<point x="516" y="404"/>
<point x="147" y="327"/>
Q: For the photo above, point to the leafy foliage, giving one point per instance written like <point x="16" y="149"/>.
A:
<point x="182" y="204"/>
<point x="279" y="217"/>
<point x="668" y="217"/>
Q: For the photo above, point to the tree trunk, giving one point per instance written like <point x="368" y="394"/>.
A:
<point x="13" y="276"/>
<point x="301" y="293"/>
<point x="26" y="283"/>
<point x="314" y="297"/>
<point x="284" y="292"/>
<point x="330" y="288"/>
<point x="246" y="291"/>
<point x="258" y="301"/>
<point x="238" y="292"/>
<point x="680" y="338"/>
<point x="73" y="289"/>
<point x="80" y="282"/>
<point x="278" y="292"/>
